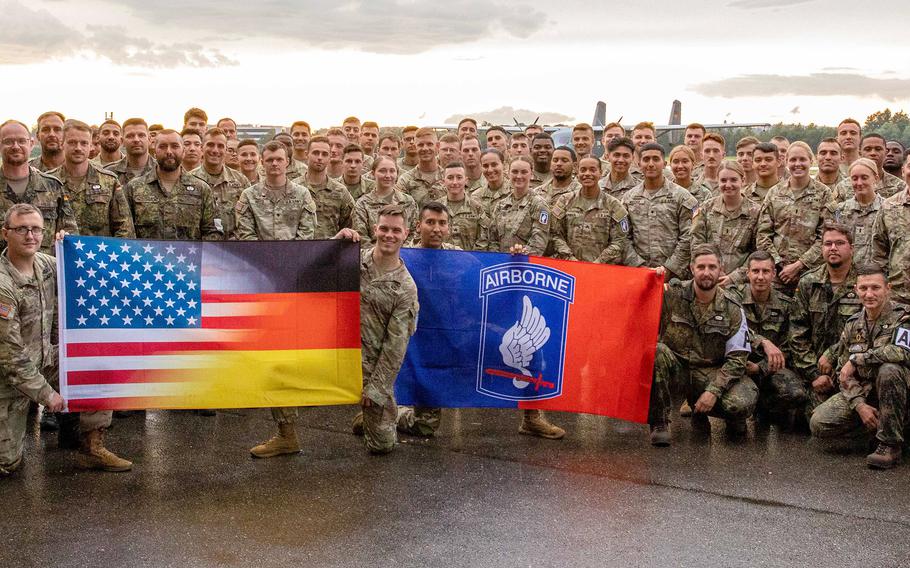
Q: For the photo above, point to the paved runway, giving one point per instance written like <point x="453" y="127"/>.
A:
<point x="479" y="494"/>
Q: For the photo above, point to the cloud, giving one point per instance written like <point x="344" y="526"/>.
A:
<point x="759" y="4"/>
<point x="813" y="85"/>
<point x="506" y="114"/>
<point x="378" y="26"/>
<point x="36" y="35"/>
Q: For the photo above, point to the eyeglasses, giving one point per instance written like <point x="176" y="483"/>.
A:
<point x="22" y="231"/>
<point x="11" y="141"/>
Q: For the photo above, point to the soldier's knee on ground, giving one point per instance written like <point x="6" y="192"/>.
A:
<point x="787" y="389"/>
<point x="740" y="400"/>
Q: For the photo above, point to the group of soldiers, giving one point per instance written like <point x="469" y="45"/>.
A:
<point x="785" y="291"/>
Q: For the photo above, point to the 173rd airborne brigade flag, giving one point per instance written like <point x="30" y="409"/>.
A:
<point x="176" y="324"/>
<point x="499" y="330"/>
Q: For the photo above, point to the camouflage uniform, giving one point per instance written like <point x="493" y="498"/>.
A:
<point x="790" y="225"/>
<point x="45" y="192"/>
<point x="403" y="167"/>
<point x="592" y="230"/>
<point x="38" y="163"/>
<point x="334" y="206"/>
<point x="28" y="355"/>
<point x="363" y="186"/>
<point x="366" y="211"/>
<point x="519" y="221"/>
<point x="732" y="231"/>
<point x="881" y="357"/>
<point x="468" y="222"/>
<point x="891" y="185"/>
<point x="551" y="194"/>
<point x="891" y="243"/>
<point x="388" y="319"/>
<point x="294" y="170"/>
<point x="705" y="348"/>
<point x="226" y="189"/>
<point x="711" y="184"/>
<point x="860" y="219"/>
<point x="661" y="227"/>
<point x="422" y="186"/>
<point x="475" y="184"/>
<point x="186" y="212"/>
<point x="123" y="173"/>
<point x="538" y="179"/>
<point x="489" y="197"/>
<point x="817" y="318"/>
<point x="784" y="389"/>
<point x="887" y="186"/>
<point x="758" y="193"/>
<point x="618" y="189"/>
<point x="833" y="185"/>
<point x="699" y="191"/>
<point x="287" y="216"/>
<point x="98" y="203"/>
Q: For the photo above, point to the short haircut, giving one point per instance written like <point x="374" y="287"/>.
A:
<point x="759" y="256"/>
<point x="136" y="122"/>
<point x="596" y="159"/>
<point x="351" y="148"/>
<point x="493" y="152"/>
<point x="571" y="152"/>
<point x="828" y="140"/>
<point x="425" y="132"/>
<point x="51" y="113"/>
<point x="874" y="135"/>
<point x="228" y="119"/>
<point x="582" y="126"/>
<point x="747" y="141"/>
<point x="838" y="228"/>
<point x="76" y="125"/>
<point x="189" y="132"/>
<point x="645" y="126"/>
<point x="166" y="131"/>
<point x="705" y="249"/>
<point x="851" y="121"/>
<point x="899" y="143"/>
<point x="621" y="141"/>
<point x="197" y="113"/>
<point x="214" y="132"/>
<point x="156" y="127"/>
<point x="696" y="126"/>
<point x="392" y="210"/>
<point x="520" y="136"/>
<point x="467" y="119"/>
<point x="14" y="121"/>
<point x="450" y="138"/>
<point x="110" y="121"/>
<point x="454" y="164"/>
<point x="683" y="149"/>
<point x="335" y="131"/>
<point x="715" y="137"/>
<point x="350" y="120"/>
<point x="498" y="128"/>
<point x="274" y="146"/>
<point x="302" y="124"/>
<point x="407" y="129"/>
<point x="369" y="124"/>
<point x="871" y="269"/>
<point x="653" y="146"/>
<point x="247" y="142"/>
<point x="319" y="140"/>
<point x="768" y="148"/>
<point x="392" y="137"/>
<point x="379" y="160"/>
<point x="19" y="209"/>
<point x="780" y="138"/>
<point x="542" y="136"/>
<point x="469" y="138"/>
<point x="435" y="207"/>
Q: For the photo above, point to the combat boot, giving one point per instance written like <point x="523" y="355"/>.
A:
<point x="534" y="424"/>
<point x="284" y="443"/>
<point x="357" y="425"/>
<point x="885" y="456"/>
<point x="660" y="435"/>
<point x="93" y="454"/>
<point x="49" y="421"/>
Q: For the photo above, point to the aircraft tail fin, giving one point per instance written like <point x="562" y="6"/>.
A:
<point x="675" y="113"/>
<point x="600" y="114"/>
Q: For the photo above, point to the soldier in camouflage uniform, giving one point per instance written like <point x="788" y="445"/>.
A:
<point x="424" y="183"/>
<point x="891" y="240"/>
<point x="353" y="178"/>
<point x="388" y="319"/>
<point x="790" y="223"/>
<point x="470" y="157"/>
<point x="562" y="181"/>
<point x="765" y="160"/>
<point x="50" y="139"/>
<point x="828" y="156"/>
<point x="497" y="184"/>
<point x="170" y="203"/>
<point x="226" y="184"/>
<point x="20" y="183"/>
<point x="467" y="219"/>
<point x="682" y="162"/>
<point x="824" y="301"/>
<point x="767" y="312"/>
<point x="366" y="210"/>
<point x="433" y="233"/>
<point x="589" y="224"/>
<point x="334" y="205"/>
<point x="703" y="345"/>
<point x="660" y="213"/>
<point x="139" y="160"/>
<point x="859" y="212"/>
<point x="542" y="155"/>
<point x="873" y="359"/>
<point x="520" y="224"/>
<point x="729" y="221"/>
<point x="409" y="146"/>
<point x="874" y="147"/>
<point x="618" y="179"/>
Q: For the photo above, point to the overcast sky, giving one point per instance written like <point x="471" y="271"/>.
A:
<point x="422" y="62"/>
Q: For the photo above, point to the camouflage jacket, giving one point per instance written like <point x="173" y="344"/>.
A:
<point x="226" y="189"/>
<point x="590" y="230"/>
<point x="363" y="186"/>
<point x="758" y="193"/>
<point x="891" y="243"/>
<point x="661" y="227"/>
<point x="334" y="206"/>
<point x="859" y="218"/>
<point x="732" y="231"/>
<point x="790" y="224"/>
<point x="38" y="163"/>
<point x="489" y="197"/>
<point x="468" y="223"/>
<point x="618" y="189"/>
<point x="519" y="221"/>
<point x="99" y="203"/>
<point x="770" y="321"/>
<point x="28" y="330"/>
<point x="186" y="212"/>
<point x="123" y="173"/>
<point x="45" y="192"/>
<point x="551" y="194"/>
<point x="388" y="319"/>
<point x="715" y="337"/>
<point x="266" y="216"/>
<point x="423" y="187"/>
<point x="366" y="211"/>
<point x="538" y="179"/>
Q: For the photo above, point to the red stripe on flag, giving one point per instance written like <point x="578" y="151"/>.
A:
<point x="79" y="378"/>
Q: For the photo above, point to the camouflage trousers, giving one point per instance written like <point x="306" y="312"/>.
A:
<point x="419" y="420"/>
<point x="835" y="419"/>
<point x="379" y="426"/>
<point x="87" y="421"/>
<point x="736" y="403"/>
<point x="780" y="391"/>
<point x="285" y="414"/>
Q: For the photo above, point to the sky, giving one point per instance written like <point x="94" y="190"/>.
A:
<point x="421" y="62"/>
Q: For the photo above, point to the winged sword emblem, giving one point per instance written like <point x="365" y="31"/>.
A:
<point x="523" y="339"/>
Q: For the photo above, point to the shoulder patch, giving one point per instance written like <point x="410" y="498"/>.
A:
<point x="624" y="224"/>
<point x="241" y="206"/>
<point x="901" y="337"/>
<point x="6" y="310"/>
<point x="544" y="218"/>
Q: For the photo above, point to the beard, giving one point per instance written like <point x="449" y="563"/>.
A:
<point x="169" y="164"/>
<point x="110" y="146"/>
<point x="706" y="283"/>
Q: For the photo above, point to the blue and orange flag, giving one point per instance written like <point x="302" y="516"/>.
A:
<point x="499" y="330"/>
<point x="177" y="324"/>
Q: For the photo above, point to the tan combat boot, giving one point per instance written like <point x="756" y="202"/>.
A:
<point x="534" y="424"/>
<point x="93" y="455"/>
<point x="284" y="443"/>
<point x="885" y="456"/>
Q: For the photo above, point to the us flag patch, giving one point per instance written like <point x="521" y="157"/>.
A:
<point x="6" y="310"/>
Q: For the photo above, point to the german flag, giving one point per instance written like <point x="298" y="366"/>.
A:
<point x="179" y="324"/>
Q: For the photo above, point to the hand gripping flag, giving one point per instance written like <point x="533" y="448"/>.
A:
<point x="499" y="330"/>
<point x="175" y="324"/>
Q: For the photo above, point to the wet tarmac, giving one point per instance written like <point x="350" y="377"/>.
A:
<point x="478" y="494"/>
